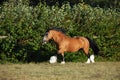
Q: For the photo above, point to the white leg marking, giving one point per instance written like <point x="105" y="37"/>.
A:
<point x="92" y="58"/>
<point x="53" y="59"/>
<point x="63" y="62"/>
<point x="88" y="61"/>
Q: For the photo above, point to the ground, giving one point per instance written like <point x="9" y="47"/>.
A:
<point x="57" y="71"/>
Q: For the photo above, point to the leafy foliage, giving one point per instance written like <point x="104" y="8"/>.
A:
<point x="25" y="26"/>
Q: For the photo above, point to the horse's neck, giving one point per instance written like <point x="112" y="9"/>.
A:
<point x="59" y="37"/>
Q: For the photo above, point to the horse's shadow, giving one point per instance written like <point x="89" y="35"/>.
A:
<point x="40" y="55"/>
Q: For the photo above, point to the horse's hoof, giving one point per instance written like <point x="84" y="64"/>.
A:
<point x="87" y="62"/>
<point x="63" y="62"/>
<point x="93" y="61"/>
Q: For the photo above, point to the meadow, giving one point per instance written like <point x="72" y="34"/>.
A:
<point x="57" y="71"/>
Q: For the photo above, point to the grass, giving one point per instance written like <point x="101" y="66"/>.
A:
<point x="69" y="71"/>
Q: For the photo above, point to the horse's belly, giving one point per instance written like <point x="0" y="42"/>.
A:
<point x="73" y="48"/>
<point x="72" y="45"/>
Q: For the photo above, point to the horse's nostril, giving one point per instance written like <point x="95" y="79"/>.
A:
<point x="44" y="42"/>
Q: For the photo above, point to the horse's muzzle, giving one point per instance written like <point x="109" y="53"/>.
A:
<point x="44" y="42"/>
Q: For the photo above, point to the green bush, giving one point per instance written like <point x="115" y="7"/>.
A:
<point x="25" y="26"/>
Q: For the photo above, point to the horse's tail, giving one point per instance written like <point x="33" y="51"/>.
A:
<point x="94" y="46"/>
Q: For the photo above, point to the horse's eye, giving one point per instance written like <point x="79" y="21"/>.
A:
<point x="46" y="33"/>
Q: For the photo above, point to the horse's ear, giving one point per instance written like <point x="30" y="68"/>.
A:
<point x="47" y="29"/>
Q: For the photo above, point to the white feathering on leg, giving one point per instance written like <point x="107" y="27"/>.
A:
<point x="92" y="58"/>
<point x="53" y="59"/>
<point x="88" y="61"/>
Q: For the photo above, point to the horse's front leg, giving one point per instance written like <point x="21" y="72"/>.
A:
<point x="63" y="59"/>
<point x="62" y="53"/>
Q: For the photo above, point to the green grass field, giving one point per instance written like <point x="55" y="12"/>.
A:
<point x="69" y="71"/>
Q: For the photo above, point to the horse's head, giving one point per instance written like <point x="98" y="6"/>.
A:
<point x="48" y="35"/>
<point x="52" y="33"/>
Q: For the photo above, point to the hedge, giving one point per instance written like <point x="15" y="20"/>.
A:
<point x="25" y="26"/>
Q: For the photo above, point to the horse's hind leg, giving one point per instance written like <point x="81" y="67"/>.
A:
<point x="88" y="60"/>
<point x="90" y="57"/>
<point x="86" y="50"/>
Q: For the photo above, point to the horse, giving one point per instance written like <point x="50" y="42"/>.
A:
<point x="70" y="44"/>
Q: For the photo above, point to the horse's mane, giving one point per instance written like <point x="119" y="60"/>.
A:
<point x="57" y="29"/>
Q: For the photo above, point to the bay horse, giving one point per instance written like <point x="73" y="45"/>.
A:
<point x="70" y="44"/>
